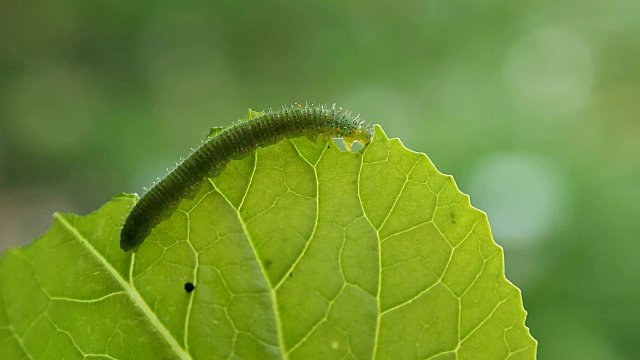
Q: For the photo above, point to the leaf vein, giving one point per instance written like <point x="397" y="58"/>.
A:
<point x="128" y="287"/>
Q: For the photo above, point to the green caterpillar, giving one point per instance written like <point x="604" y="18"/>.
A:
<point x="235" y="142"/>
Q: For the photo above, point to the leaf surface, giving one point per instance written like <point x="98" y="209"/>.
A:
<point x="300" y="250"/>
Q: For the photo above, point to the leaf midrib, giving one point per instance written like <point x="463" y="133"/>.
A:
<point x="133" y="293"/>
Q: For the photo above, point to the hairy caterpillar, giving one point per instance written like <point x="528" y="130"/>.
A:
<point x="234" y="142"/>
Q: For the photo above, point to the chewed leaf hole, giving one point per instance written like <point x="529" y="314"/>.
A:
<point x="339" y="142"/>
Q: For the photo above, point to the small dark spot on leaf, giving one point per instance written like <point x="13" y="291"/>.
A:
<point x="453" y="217"/>
<point x="267" y="263"/>
<point x="291" y="274"/>
<point x="189" y="287"/>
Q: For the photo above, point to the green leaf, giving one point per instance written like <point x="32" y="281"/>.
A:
<point x="299" y="251"/>
<point x="214" y="131"/>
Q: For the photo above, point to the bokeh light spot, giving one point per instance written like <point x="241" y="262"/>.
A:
<point x="523" y="196"/>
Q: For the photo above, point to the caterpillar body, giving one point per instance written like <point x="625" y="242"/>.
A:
<point x="235" y="142"/>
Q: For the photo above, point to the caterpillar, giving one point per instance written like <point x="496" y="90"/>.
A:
<point x="257" y="129"/>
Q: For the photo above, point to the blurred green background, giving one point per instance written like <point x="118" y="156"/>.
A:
<point x="532" y="106"/>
